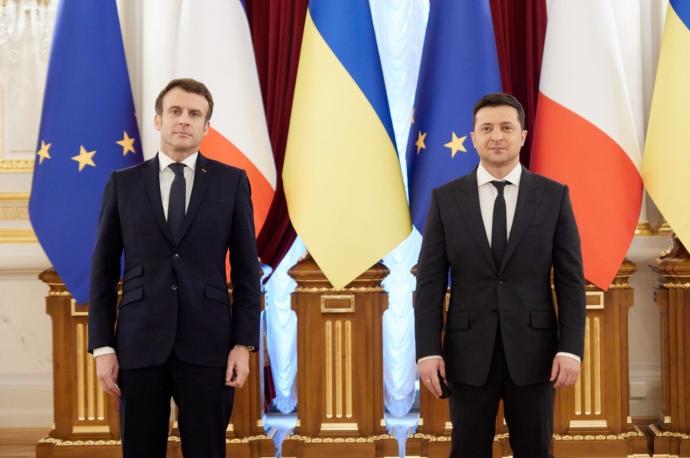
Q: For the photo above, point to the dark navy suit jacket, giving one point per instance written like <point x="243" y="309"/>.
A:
<point x="174" y="294"/>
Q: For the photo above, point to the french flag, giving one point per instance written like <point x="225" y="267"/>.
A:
<point x="214" y="46"/>
<point x="585" y="135"/>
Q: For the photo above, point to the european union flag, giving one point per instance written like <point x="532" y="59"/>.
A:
<point x="459" y="66"/>
<point x="88" y="129"/>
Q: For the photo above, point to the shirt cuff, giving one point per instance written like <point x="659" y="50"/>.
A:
<point x="429" y="357"/>
<point x="100" y="351"/>
<point x="569" y="355"/>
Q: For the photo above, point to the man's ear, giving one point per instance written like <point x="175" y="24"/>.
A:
<point x="157" y="121"/>
<point x="207" y="126"/>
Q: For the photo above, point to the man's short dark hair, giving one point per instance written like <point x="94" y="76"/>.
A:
<point x="187" y="85"/>
<point x="499" y="99"/>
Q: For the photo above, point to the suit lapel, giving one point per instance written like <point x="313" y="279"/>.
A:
<point x="468" y="198"/>
<point x="201" y="180"/>
<point x="153" y="192"/>
<point x="527" y="203"/>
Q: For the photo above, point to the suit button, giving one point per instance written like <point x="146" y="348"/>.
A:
<point x="500" y="282"/>
<point x="176" y="256"/>
<point x="173" y="287"/>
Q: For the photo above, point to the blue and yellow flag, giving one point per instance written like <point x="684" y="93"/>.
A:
<point x="459" y="66"/>
<point x="88" y="129"/>
<point x="342" y="176"/>
<point x="666" y="160"/>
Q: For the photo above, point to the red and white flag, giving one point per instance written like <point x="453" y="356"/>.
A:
<point x="214" y="46"/>
<point x="585" y="134"/>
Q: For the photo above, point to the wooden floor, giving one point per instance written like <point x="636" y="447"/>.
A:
<point x="20" y="442"/>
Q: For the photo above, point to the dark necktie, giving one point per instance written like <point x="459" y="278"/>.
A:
<point x="176" y="204"/>
<point x="499" y="228"/>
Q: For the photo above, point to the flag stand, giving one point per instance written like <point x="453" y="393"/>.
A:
<point x="672" y="430"/>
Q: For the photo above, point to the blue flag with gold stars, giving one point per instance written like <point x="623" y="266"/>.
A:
<point x="88" y="129"/>
<point x="459" y="65"/>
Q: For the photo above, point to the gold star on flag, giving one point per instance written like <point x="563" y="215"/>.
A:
<point x="44" y="152"/>
<point x="420" y="141"/>
<point x="84" y="158"/>
<point x="127" y="144"/>
<point x="456" y="144"/>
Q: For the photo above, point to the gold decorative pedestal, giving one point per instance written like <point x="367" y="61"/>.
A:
<point x="672" y="431"/>
<point x="590" y="418"/>
<point x="86" y="422"/>
<point x="340" y="368"/>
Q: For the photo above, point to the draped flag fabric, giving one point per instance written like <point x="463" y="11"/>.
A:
<point x="342" y="176"/>
<point x="88" y="129"/>
<point x="585" y="133"/>
<point x="666" y="164"/>
<point x="459" y="66"/>
<point x="214" y="46"/>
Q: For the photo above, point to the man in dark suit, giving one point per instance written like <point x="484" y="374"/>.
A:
<point x="500" y="231"/>
<point x="176" y="333"/>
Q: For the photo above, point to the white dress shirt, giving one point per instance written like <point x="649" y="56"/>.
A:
<point x="166" y="177"/>
<point x="487" y="196"/>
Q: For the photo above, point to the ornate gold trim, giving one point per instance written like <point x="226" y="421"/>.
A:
<point x="338" y="369"/>
<point x="81" y="382"/>
<point x="14" y="197"/>
<point x="328" y="298"/>
<point x="587" y="370"/>
<point x="321" y="290"/>
<point x="73" y="307"/>
<point x="676" y="285"/>
<point x="597" y="367"/>
<point x="624" y="285"/>
<point x="348" y="369"/>
<point x="644" y="228"/>
<point x="598" y="304"/>
<point x="11" y="236"/>
<point x="16" y="166"/>
<point x="63" y="443"/>
<point x="90" y="429"/>
<point x="339" y="440"/>
<point x="588" y="424"/>
<point x="328" y="337"/>
<point x="326" y="426"/>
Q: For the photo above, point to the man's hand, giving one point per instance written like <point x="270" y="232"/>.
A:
<point x="238" y="366"/>
<point x="107" y="369"/>
<point x="564" y="371"/>
<point x="428" y="374"/>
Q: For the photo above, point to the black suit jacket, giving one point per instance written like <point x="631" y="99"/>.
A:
<point x="514" y="298"/>
<point x="174" y="292"/>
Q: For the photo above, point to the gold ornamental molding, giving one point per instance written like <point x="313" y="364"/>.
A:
<point x="644" y="229"/>
<point x="338" y="303"/>
<point x="321" y="290"/>
<point x="340" y="440"/>
<point x="11" y="236"/>
<point x="14" y="206"/>
<point x="16" y="166"/>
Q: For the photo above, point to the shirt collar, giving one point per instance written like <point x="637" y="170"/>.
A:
<point x="164" y="161"/>
<point x="484" y="177"/>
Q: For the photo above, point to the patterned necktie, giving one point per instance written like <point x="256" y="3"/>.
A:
<point x="499" y="229"/>
<point x="176" y="204"/>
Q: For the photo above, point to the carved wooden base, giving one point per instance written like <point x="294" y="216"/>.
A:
<point x="669" y="444"/>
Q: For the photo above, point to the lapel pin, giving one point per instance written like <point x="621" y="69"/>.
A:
<point x="203" y="170"/>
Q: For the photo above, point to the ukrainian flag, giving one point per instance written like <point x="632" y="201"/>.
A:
<point x="342" y="177"/>
<point x="666" y="161"/>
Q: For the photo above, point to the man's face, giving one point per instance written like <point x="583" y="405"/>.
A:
<point x="497" y="136"/>
<point x="182" y="123"/>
